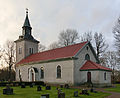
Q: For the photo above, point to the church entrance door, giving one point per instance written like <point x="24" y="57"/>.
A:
<point x="89" y="77"/>
<point x="31" y="75"/>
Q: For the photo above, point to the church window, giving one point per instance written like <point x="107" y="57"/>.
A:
<point x="105" y="76"/>
<point x="20" y="50"/>
<point x="58" y="71"/>
<point x="19" y="72"/>
<point x="30" y="50"/>
<point x="87" y="47"/>
<point x="42" y="73"/>
<point x="87" y="57"/>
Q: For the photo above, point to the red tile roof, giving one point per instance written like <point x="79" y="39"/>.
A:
<point x="57" y="53"/>
<point x="89" y="65"/>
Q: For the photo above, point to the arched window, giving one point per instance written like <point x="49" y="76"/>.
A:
<point x="87" y="57"/>
<point x="20" y="75"/>
<point x="42" y="73"/>
<point x="58" y="71"/>
<point x="105" y="76"/>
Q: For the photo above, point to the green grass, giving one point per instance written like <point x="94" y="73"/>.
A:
<point x="114" y="89"/>
<point x="33" y="93"/>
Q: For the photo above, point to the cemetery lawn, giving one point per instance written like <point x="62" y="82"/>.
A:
<point x="114" y="89"/>
<point x="33" y="93"/>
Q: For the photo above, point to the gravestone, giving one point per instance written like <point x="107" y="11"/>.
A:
<point x="31" y="85"/>
<point x="23" y="85"/>
<point x="85" y="92"/>
<point x="45" y="96"/>
<point x="8" y="90"/>
<point x="61" y="86"/>
<point x="92" y="90"/>
<point x="61" y="95"/>
<point x="48" y="87"/>
<point x="39" y="88"/>
<point x="76" y="94"/>
<point x="66" y="86"/>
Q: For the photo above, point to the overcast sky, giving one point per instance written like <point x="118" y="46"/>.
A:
<point x="49" y="17"/>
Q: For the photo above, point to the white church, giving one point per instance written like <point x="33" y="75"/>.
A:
<point x="75" y="64"/>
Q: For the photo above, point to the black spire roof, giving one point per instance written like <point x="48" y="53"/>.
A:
<point x="26" y="23"/>
<point x="26" y="32"/>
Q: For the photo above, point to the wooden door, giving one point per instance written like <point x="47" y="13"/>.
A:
<point x="89" y="77"/>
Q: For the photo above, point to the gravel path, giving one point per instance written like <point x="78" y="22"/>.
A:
<point x="113" y="94"/>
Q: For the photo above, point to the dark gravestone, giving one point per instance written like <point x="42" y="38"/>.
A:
<point x="31" y="85"/>
<point x="61" y="86"/>
<point x="45" y="96"/>
<point x="85" y="92"/>
<point x="61" y="95"/>
<point x="76" y="94"/>
<point x="48" y="87"/>
<point x="92" y="90"/>
<point x="66" y="86"/>
<point x="22" y="85"/>
<point x="8" y="91"/>
<point x="39" y="88"/>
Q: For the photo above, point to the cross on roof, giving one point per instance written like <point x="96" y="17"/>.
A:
<point x="26" y="10"/>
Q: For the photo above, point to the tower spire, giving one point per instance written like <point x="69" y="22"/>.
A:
<point x="26" y="23"/>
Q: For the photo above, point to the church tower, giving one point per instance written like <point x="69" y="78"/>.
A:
<point x="26" y="44"/>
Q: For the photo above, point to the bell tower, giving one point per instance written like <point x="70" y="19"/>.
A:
<point x="26" y="44"/>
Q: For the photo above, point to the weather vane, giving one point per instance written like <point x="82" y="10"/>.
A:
<point x="27" y="10"/>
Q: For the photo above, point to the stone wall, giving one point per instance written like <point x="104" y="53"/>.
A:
<point x="50" y="72"/>
<point x="25" y="45"/>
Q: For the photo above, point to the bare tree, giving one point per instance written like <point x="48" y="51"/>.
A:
<point x="116" y="32"/>
<point x="87" y="36"/>
<point x="100" y="44"/>
<point x="54" y="45"/>
<point x="1" y="52"/>
<point x="9" y="55"/>
<point x="41" y="48"/>
<point x="68" y="37"/>
<point x="110" y="60"/>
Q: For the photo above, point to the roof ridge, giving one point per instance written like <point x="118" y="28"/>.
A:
<point x="64" y="47"/>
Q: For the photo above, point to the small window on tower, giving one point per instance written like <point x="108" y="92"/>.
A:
<point x="30" y="51"/>
<point x="20" y="50"/>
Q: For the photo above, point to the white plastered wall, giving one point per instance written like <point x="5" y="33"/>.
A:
<point x="50" y="72"/>
<point x="79" y="76"/>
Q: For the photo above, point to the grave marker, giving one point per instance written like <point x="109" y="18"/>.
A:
<point x="39" y="88"/>
<point x="8" y="90"/>
<point x="76" y="94"/>
<point x="22" y="85"/>
<point x="45" y="96"/>
<point x="48" y="87"/>
<point x="61" y="95"/>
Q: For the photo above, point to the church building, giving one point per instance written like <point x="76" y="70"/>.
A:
<point x="75" y="64"/>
